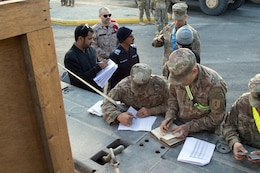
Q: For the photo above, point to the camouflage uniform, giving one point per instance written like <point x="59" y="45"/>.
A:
<point x="64" y="2"/>
<point x="167" y="38"/>
<point x="184" y="39"/>
<point x="208" y="89"/>
<point x="159" y="8"/>
<point x="71" y="3"/>
<point x="239" y="124"/>
<point x="144" y="5"/>
<point x="105" y="39"/>
<point x="167" y="42"/>
<point x="151" y="93"/>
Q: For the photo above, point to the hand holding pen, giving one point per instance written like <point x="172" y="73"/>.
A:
<point x="125" y="118"/>
<point x="166" y="124"/>
<point x="102" y="64"/>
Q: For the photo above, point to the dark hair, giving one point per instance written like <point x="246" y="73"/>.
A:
<point x="195" y="53"/>
<point x="82" y="30"/>
<point x="197" y="56"/>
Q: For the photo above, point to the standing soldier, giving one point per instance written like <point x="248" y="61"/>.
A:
<point x="167" y="37"/>
<point x="184" y="39"/>
<point x="71" y="3"/>
<point x="105" y="39"/>
<point x="63" y="2"/>
<point x="159" y="10"/>
<point x="143" y="5"/>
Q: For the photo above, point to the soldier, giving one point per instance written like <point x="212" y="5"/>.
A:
<point x="125" y="56"/>
<point x="145" y="92"/>
<point x="81" y="58"/>
<point x="184" y="39"/>
<point x="159" y="9"/>
<point x="167" y="38"/>
<point x="197" y="95"/>
<point x="105" y="34"/>
<point x="64" y="2"/>
<point x="71" y="3"/>
<point x="242" y="123"/>
<point x="143" y="5"/>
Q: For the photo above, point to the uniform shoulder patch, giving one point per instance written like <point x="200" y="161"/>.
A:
<point x="117" y="51"/>
<point x="217" y="99"/>
<point x="215" y="104"/>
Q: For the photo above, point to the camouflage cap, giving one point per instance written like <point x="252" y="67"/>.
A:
<point x="140" y="75"/>
<point x="180" y="64"/>
<point x="179" y="10"/>
<point x="254" y="88"/>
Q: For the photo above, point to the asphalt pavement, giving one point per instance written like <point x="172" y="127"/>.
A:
<point x="86" y="11"/>
<point x="230" y="42"/>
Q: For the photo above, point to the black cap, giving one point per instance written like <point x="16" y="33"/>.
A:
<point x="123" y="33"/>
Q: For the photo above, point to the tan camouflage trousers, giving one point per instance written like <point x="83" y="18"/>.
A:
<point x="67" y="3"/>
<point x="144" y="6"/>
<point x="161" y="18"/>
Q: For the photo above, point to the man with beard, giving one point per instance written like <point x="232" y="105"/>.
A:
<point x="81" y="58"/>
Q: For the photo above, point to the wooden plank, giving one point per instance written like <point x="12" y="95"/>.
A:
<point x="17" y="18"/>
<point x="48" y="102"/>
<point x="20" y="142"/>
<point x="10" y="1"/>
<point x="33" y="130"/>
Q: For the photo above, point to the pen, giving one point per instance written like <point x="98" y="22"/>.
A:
<point x="170" y="120"/>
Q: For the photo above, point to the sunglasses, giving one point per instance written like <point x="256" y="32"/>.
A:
<point x="107" y="15"/>
<point x="84" y="26"/>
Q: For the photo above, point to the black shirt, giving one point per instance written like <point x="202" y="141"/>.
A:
<point x="84" y="65"/>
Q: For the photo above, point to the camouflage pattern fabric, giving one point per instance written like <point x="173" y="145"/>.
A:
<point x="167" y="42"/>
<point x="180" y="64"/>
<point x="154" y="96"/>
<point x="209" y="89"/>
<point x="254" y="88"/>
<point x="144" y="6"/>
<point x="179" y="10"/>
<point x="160" y="8"/>
<point x="239" y="124"/>
<point x="105" y="39"/>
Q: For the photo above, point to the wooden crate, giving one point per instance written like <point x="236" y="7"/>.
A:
<point x="33" y="131"/>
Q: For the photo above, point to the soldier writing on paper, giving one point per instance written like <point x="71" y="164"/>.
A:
<point x="197" y="95"/>
<point x="143" y="91"/>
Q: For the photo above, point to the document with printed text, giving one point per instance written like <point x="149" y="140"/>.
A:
<point x="196" y="151"/>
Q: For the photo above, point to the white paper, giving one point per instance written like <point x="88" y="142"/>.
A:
<point x="196" y="151"/>
<point x="138" y="124"/>
<point x="105" y="74"/>
<point x="96" y="108"/>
